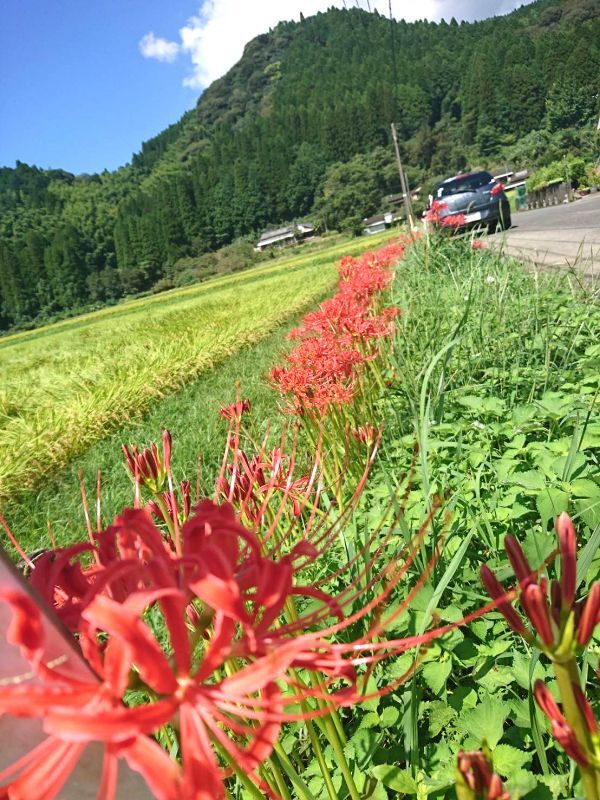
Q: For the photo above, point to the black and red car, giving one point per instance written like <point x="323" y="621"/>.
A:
<point x="470" y="200"/>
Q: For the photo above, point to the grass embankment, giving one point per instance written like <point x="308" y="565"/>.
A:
<point x="65" y="386"/>
<point x="497" y="380"/>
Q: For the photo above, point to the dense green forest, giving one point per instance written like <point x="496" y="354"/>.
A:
<point x="300" y="127"/>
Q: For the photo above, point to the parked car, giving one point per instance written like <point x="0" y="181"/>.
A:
<point x="474" y="195"/>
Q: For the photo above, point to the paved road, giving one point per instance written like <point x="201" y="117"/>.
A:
<point x="559" y="237"/>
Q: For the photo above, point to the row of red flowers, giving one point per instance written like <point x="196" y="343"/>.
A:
<point x="342" y="336"/>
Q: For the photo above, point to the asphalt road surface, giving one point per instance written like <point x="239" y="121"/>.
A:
<point x="558" y="237"/>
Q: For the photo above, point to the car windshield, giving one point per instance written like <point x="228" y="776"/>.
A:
<point x="464" y="183"/>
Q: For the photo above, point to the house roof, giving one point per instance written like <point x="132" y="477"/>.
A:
<point x="377" y="219"/>
<point x="277" y="234"/>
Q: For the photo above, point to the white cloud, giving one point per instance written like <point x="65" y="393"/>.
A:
<point x="214" y="39"/>
<point x="152" y="46"/>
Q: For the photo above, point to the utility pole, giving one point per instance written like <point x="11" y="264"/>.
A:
<point x="403" y="181"/>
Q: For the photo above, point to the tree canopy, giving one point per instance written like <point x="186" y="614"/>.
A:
<point x="300" y="126"/>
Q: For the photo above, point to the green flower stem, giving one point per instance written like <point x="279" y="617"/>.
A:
<point x="301" y="788"/>
<point x="244" y="779"/>
<point x="341" y="757"/>
<point x="318" y="750"/>
<point x="567" y="674"/>
<point x="281" y="785"/>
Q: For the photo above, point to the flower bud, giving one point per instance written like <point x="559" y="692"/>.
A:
<point x="496" y="591"/>
<point x="568" y="554"/>
<point x="590" y="615"/>
<point x="535" y="605"/>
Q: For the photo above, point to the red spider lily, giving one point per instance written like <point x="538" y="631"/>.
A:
<point x="53" y="688"/>
<point x="176" y="512"/>
<point x="251" y="483"/>
<point x="552" y="618"/>
<point x="497" y="189"/>
<point x="478" y="244"/>
<point x="367" y="434"/>
<point x="454" y="221"/>
<point x="323" y="370"/>
<point x="229" y="590"/>
<point x="149" y="466"/>
<point x="560" y="728"/>
<point x="434" y="213"/>
<point x="476" y="779"/>
<point x="236" y="409"/>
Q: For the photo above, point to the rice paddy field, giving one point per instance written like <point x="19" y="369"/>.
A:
<point x="65" y="386"/>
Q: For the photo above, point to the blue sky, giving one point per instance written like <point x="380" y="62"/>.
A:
<point x="84" y="82"/>
<point x="75" y="91"/>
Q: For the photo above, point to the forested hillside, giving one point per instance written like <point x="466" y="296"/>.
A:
<point x="300" y="126"/>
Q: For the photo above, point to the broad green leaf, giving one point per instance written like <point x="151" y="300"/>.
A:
<point x="522" y="414"/>
<point x="495" y="678"/>
<point x="555" y="404"/>
<point x="362" y="746"/>
<point x="389" y="716"/>
<point x="537" y="546"/>
<point x="589" y="511"/>
<point x="557" y="784"/>
<point x="436" y="673"/>
<point x="584" y="487"/>
<point x="440" y="715"/>
<point x="508" y="760"/>
<point x="521" y="667"/>
<point x="550" y="503"/>
<point x="485" y="721"/>
<point x="530" y="479"/>
<point x="521" y="783"/>
<point x="586" y="556"/>
<point x="399" y="780"/>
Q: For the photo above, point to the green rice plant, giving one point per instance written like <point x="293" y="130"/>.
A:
<point x="68" y="384"/>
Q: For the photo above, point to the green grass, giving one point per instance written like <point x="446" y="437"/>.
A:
<point x="192" y="415"/>
<point x="497" y="379"/>
<point x="65" y="386"/>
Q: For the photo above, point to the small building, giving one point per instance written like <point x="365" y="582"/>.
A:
<point x="285" y="236"/>
<point x="280" y="237"/>
<point x="375" y="224"/>
<point x="305" y="230"/>
<point x="380" y="222"/>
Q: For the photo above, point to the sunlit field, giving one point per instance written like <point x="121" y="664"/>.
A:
<point x="65" y="386"/>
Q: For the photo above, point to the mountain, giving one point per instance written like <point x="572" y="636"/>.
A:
<point x="300" y="126"/>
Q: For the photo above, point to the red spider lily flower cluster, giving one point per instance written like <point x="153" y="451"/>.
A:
<point x="212" y="631"/>
<point x="150" y="466"/>
<point x="478" y="244"/>
<point x="585" y="751"/>
<point x="497" y="189"/>
<point x="559" y="624"/>
<point x="454" y="221"/>
<point x="433" y="214"/>
<point x="236" y="409"/>
<point x="337" y="340"/>
<point x="476" y="779"/>
<point x="252" y="483"/>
